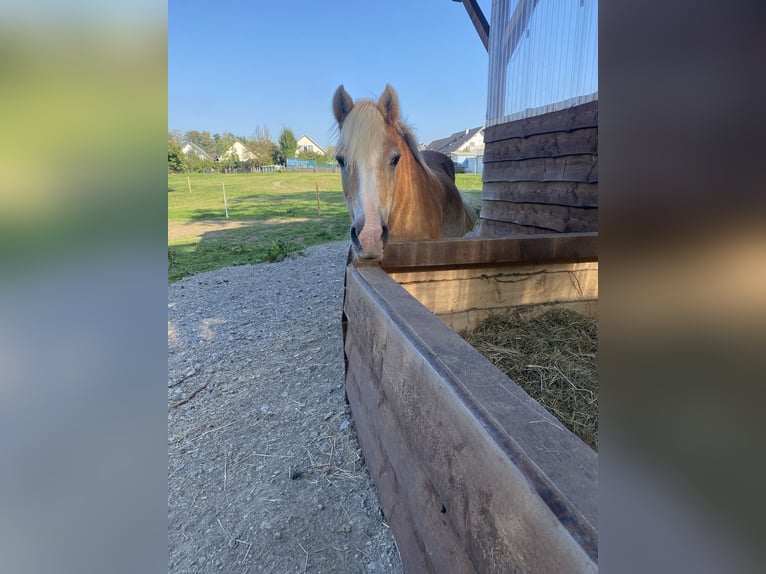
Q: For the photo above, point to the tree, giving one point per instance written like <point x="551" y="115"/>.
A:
<point x="264" y="151"/>
<point x="287" y="143"/>
<point x="260" y="134"/>
<point x="230" y="163"/>
<point x="176" y="137"/>
<point x="197" y="164"/>
<point x="202" y="139"/>
<point x="175" y="158"/>
<point x="223" y="143"/>
<point x="262" y="147"/>
<point x="306" y="154"/>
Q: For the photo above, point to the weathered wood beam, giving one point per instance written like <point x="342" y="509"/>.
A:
<point x="579" y="117"/>
<point x="500" y="250"/>
<point x="478" y="19"/>
<point x="582" y="168"/>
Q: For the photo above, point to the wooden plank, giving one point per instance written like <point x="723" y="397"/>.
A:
<point x="577" y="117"/>
<point x="459" y="252"/>
<point x="582" y="141"/>
<point x="498" y="229"/>
<point x="478" y="19"/>
<point x="508" y="272"/>
<point x="488" y="289"/>
<point x="413" y="510"/>
<point x="561" y="218"/>
<point x="582" y="168"/>
<point x="519" y="496"/>
<point x="575" y="194"/>
<point x="407" y="496"/>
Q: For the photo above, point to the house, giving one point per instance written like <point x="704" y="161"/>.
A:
<point x="305" y="143"/>
<point x="465" y="148"/>
<point x="191" y="148"/>
<point x="240" y="150"/>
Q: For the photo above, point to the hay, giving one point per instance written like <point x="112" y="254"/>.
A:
<point x="553" y="357"/>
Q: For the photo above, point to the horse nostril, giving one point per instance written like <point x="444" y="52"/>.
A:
<point x="368" y="241"/>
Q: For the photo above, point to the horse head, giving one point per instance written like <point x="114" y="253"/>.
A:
<point x="371" y="143"/>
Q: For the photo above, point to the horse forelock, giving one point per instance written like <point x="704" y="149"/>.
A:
<point x="363" y="133"/>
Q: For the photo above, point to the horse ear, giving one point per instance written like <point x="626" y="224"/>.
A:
<point x="388" y="104"/>
<point x="341" y="104"/>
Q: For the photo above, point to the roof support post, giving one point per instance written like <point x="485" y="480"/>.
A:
<point x="478" y="19"/>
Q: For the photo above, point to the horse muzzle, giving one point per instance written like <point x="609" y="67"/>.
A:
<point x="369" y="241"/>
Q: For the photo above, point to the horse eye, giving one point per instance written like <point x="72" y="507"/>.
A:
<point x="341" y="160"/>
<point x="395" y="160"/>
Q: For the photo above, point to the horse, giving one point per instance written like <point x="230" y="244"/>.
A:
<point x="393" y="190"/>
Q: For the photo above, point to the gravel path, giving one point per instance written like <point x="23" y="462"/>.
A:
<point x="265" y="473"/>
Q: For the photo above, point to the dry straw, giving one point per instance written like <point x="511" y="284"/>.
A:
<point x="553" y="357"/>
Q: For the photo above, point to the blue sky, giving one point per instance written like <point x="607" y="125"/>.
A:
<point x="234" y="66"/>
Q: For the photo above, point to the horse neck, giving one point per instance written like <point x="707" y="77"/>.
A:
<point x="417" y="207"/>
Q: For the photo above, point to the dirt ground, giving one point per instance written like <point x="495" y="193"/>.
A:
<point x="265" y="473"/>
<point x="199" y="228"/>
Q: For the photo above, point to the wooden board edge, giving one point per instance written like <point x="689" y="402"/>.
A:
<point x="543" y="247"/>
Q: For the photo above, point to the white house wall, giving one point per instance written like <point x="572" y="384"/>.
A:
<point x="304" y="143"/>
<point x="243" y="154"/>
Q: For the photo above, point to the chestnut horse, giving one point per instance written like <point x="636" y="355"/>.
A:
<point x="392" y="189"/>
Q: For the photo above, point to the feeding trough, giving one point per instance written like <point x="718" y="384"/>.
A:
<point x="473" y="475"/>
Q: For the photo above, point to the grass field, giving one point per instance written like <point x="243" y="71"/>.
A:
<point x="271" y="216"/>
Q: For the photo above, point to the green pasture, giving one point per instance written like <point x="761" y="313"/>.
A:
<point x="282" y="212"/>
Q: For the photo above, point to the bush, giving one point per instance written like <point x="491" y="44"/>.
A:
<point x="459" y="168"/>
